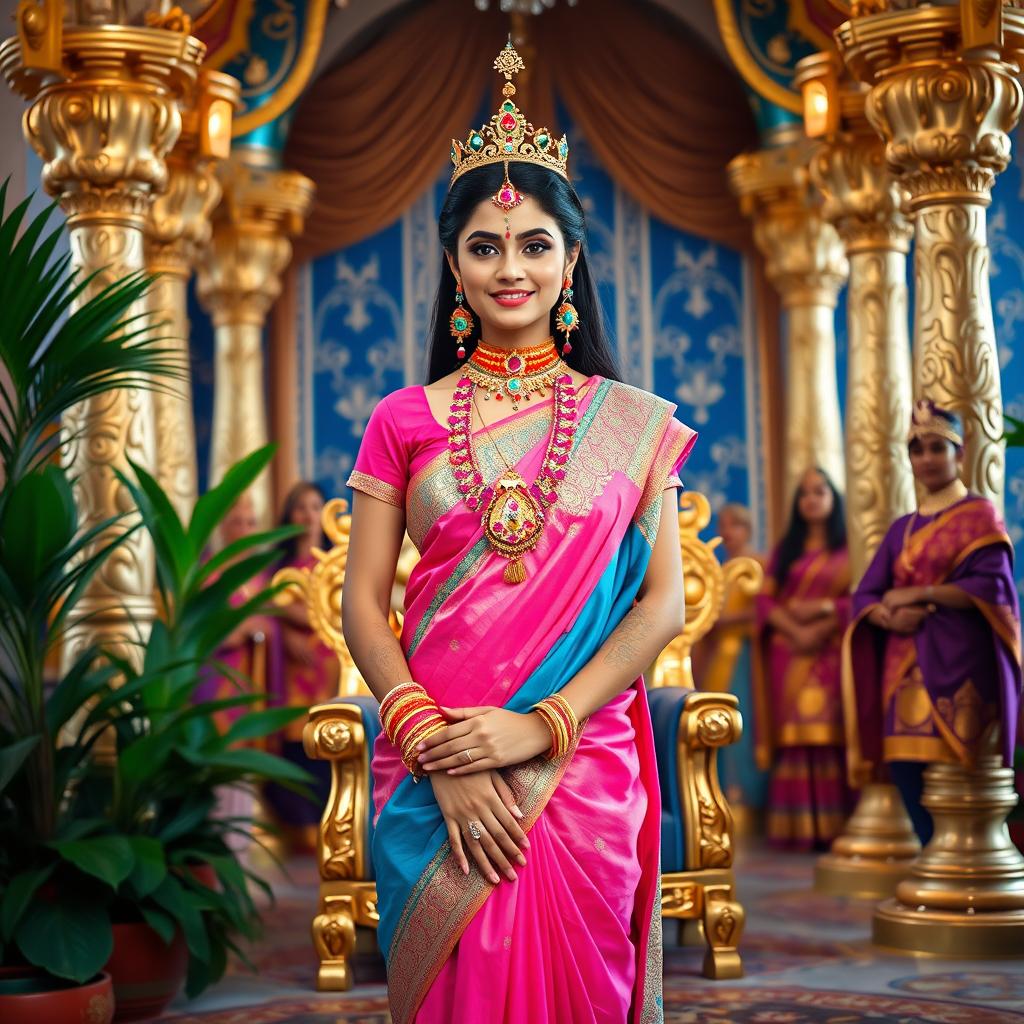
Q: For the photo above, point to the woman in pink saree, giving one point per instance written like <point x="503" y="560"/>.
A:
<point x="517" y="817"/>
<point x="802" y="613"/>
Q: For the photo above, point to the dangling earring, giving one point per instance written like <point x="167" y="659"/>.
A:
<point x="461" y="322"/>
<point x="567" y="319"/>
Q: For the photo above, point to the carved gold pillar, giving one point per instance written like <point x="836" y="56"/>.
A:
<point x="946" y="113"/>
<point x="864" y="202"/>
<point x="944" y="109"/>
<point x="239" y="278"/>
<point x="178" y="228"/>
<point x="806" y="264"/>
<point x="103" y="115"/>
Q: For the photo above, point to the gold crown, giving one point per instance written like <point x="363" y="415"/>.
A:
<point x="926" y="420"/>
<point x="508" y="136"/>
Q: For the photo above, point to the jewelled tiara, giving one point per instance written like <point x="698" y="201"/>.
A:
<point x="508" y="136"/>
<point x="926" y="419"/>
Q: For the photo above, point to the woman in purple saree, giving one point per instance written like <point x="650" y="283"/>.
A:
<point x="517" y="831"/>
<point x="932" y="661"/>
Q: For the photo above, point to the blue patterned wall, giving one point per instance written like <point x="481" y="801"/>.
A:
<point x="1005" y="220"/>
<point x="676" y="304"/>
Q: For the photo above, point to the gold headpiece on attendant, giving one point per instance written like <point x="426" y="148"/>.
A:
<point x="509" y="138"/>
<point x="928" y="418"/>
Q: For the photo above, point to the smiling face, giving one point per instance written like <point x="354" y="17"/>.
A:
<point x="935" y="461"/>
<point x="512" y="283"/>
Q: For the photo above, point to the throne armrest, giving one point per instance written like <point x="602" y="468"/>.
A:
<point x="342" y="731"/>
<point x="689" y="727"/>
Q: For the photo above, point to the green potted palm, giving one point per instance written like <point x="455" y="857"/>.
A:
<point x="87" y="845"/>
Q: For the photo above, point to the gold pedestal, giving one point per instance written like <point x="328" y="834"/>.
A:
<point x="876" y="850"/>
<point x="965" y="893"/>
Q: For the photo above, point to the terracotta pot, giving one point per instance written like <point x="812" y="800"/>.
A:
<point x="28" y="996"/>
<point x="147" y="974"/>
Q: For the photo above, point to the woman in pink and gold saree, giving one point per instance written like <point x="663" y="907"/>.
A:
<point x="517" y="829"/>
<point x="801" y="615"/>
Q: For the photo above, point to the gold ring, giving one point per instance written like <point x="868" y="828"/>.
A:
<point x="468" y="756"/>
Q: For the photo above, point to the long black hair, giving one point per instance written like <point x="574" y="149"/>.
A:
<point x="591" y="351"/>
<point x="290" y="546"/>
<point x="792" y="545"/>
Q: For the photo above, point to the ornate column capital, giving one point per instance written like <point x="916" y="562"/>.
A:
<point x="804" y="255"/>
<point x="945" y="110"/>
<point x="179" y="219"/>
<point x="239" y="272"/>
<point x="104" y="122"/>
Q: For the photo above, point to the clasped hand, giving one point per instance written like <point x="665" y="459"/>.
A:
<point x="493" y="738"/>
<point x="479" y="739"/>
<point x="902" y="610"/>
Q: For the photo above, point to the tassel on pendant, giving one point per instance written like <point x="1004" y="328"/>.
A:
<point x="515" y="571"/>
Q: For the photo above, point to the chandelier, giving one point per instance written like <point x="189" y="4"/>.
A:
<point x="521" y="6"/>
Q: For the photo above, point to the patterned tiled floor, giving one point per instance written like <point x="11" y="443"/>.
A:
<point x="807" y="957"/>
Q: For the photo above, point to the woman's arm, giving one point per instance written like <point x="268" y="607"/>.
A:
<point x="374" y="544"/>
<point x="497" y="737"/>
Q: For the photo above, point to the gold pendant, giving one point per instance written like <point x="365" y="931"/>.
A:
<point x="513" y="523"/>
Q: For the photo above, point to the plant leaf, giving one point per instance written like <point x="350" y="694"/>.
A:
<point x="71" y="938"/>
<point x="150" y="864"/>
<point x="108" y="858"/>
<point x="12" y="757"/>
<point x="20" y="890"/>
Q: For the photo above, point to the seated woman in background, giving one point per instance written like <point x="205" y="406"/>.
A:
<point x="934" y="670"/>
<point x="801" y="616"/>
<point x="722" y="664"/>
<point x="305" y="673"/>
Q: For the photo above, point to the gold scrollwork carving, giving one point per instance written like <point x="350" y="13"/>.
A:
<point x="945" y="111"/>
<point x="706" y="582"/>
<point x="680" y="899"/>
<point x="864" y="200"/>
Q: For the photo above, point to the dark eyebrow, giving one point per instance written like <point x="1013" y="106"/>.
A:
<point x="490" y="236"/>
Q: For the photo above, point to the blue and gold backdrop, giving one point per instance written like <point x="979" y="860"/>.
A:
<point x="678" y="306"/>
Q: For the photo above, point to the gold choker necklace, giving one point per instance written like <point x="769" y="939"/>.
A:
<point x="516" y="374"/>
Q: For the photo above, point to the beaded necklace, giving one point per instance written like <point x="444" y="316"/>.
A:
<point x="512" y="513"/>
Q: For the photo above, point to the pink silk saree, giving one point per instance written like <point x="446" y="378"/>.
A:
<point x="577" y="938"/>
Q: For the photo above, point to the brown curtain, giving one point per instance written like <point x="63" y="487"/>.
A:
<point x="374" y="131"/>
<point x="660" y="111"/>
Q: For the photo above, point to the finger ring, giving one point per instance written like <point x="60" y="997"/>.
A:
<point x="468" y="756"/>
<point x="475" y="829"/>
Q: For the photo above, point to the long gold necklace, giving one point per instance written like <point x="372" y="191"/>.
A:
<point x="512" y="512"/>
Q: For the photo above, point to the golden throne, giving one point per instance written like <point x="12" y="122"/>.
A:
<point x="690" y="726"/>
